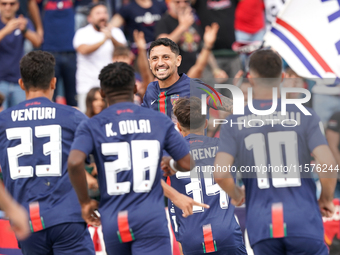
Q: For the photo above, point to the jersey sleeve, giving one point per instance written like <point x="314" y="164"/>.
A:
<point x="197" y="88"/>
<point x="174" y="144"/>
<point x="315" y="131"/>
<point x="145" y="100"/>
<point x="227" y="142"/>
<point x="334" y="122"/>
<point x="83" y="140"/>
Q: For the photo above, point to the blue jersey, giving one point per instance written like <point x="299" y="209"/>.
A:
<point x="218" y="220"/>
<point x="127" y="142"/>
<point x="36" y="137"/>
<point x="163" y="99"/>
<point x="278" y="203"/>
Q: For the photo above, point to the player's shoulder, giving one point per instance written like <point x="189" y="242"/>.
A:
<point x="70" y="112"/>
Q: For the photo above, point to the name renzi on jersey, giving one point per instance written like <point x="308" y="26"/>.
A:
<point x="203" y="153"/>
<point x="129" y="127"/>
<point x="34" y="113"/>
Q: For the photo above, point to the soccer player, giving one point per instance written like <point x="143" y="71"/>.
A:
<point x="164" y="60"/>
<point x="283" y="214"/>
<point x="16" y="214"/>
<point x="127" y="142"/>
<point x="215" y="230"/>
<point x="36" y="136"/>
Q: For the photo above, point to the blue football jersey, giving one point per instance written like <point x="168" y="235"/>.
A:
<point x="282" y="202"/>
<point x="163" y="99"/>
<point x="36" y="137"/>
<point x="127" y="142"/>
<point x="218" y="222"/>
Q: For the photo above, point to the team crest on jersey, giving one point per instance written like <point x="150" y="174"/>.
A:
<point x="174" y="98"/>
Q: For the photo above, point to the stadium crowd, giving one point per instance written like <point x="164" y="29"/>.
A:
<point x="85" y="37"/>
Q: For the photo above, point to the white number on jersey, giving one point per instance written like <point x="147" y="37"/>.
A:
<point x="195" y="188"/>
<point x="52" y="148"/>
<point x="141" y="165"/>
<point x="288" y="139"/>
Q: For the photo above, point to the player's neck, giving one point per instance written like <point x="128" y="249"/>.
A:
<point x="5" y="20"/>
<point x="169" y="82"/>
<point x="115" y="99"/>
<point x="263" y="93"/>
<point x="31" y="94"/>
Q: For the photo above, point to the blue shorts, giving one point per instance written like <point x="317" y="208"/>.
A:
<point x="67" y="238"/>
<point x="144" y="246"/>
<point x="291" y="246"/>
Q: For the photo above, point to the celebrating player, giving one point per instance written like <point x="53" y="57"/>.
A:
<point x="283" y="214"/>
<point x="164" y="60"/>
<point x="127" y="142"/>
<point x="214" y="230"/>
<point x="36" y="136"/>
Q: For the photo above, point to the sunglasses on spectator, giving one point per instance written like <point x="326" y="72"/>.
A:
<point x="187" y="2"/>
<point x="8" y="3"/>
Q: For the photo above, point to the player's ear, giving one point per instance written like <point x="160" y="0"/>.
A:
<point x="179" y="127"/>
<point x="178" y="60"/>
<point x="206" y="124"/>
<point x="21" y="84"/>
<point x="135" y="89"/>
<point x="282" y="76"/>
<point x="102" y="93"/>
<point x="53" y="83"/>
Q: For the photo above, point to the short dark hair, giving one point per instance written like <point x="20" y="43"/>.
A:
<point x="117" y="76"/>
<point x="266" y="63"/>
<point x="166" y="42"/>
<point x="188" y="113"/>
<point x="92" y="5"/>
<point x="37" y="69"/>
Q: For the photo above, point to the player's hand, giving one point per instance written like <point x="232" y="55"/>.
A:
<point x="89" y="214"/>
<point x="326" y="207"/>
<point x="186" y="204"/>
<point x="220" y="75"/>
<point x="165" y="166"/>
<point x="210" y="34"/>
<point x="107" y="32"/>
<point x="240" y="196"/>
<point x="139" y="38"/>
<point x="19" y="221"/>
<point x="92" y="182"/>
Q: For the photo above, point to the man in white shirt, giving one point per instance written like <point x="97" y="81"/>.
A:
<point x="94" y="44"/>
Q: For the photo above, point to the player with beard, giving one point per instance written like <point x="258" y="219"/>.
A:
<point x="164" y="60"/>
<point x="95" y="44"/>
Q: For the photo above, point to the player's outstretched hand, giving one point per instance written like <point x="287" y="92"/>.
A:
<point x="165" y="165"/>
<point x="326" y="207"/>
<point x="240" y="196"/>
<point x="89" y="214"/>
<point x="186" y="204"/>
<point x="19" y="221"/>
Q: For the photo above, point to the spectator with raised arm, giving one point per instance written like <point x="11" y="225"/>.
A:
<point x="95" y="44"/>
<point x="13" y="32"/>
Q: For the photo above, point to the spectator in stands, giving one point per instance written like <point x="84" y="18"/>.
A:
<point x="222" y="12"/>
<point x="58" y="22"/>
<point x="181" y="26"/>
<point x="95" y="44"/>
<point x="29" y="8"/>
<point x="13" y="32"/>
<point x="249" y="23"/>
<point x="141" y="15"/>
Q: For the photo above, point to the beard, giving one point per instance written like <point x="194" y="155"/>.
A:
<point x="99" y="23"/>
<point x="164" y="78"/>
